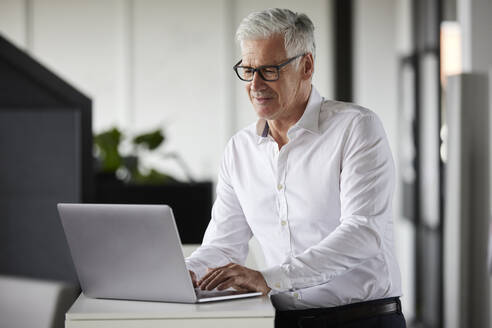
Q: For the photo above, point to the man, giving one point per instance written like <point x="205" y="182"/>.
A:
<point x="312" y="180"/>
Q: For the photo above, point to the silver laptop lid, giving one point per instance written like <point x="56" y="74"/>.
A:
<point x="127" y="252"/>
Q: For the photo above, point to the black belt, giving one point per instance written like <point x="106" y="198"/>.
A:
<point x="343" y="314"/>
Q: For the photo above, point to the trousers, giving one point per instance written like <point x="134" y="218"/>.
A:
<point x="382" y="313"/>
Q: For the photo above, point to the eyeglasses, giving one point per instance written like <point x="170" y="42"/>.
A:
<point x="267" y="72"/>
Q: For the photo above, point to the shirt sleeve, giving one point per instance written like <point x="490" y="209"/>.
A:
<point x="366" y="190"/>
<point x="228" y="233"/>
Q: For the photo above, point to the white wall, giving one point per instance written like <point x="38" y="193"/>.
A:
<point x="151" y="63"/>
<point x="178" y="68"/>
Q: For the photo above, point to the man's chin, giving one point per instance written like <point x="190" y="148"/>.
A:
<point x="264" y="112"/>
<point x="264" y="115"/>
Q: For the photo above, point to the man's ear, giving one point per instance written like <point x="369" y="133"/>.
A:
<point x="307" y="66"/>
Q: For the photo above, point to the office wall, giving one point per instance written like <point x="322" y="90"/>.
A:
<point x="12" y="20"/>
<point x="152" y="63"/>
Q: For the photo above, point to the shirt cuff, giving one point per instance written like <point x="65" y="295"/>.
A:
<point x="198" y="269"/>
<point x="276" y="279"/>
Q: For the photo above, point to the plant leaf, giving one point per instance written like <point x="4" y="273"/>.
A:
<point x="150" y="140"/>
<point x="108" y="142"/>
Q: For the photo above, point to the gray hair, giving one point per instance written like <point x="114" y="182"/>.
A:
<point x="297" y="30"/>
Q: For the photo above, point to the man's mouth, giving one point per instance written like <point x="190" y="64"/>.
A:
<point x="262" y="99"/>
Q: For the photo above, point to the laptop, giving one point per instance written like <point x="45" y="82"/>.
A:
<point x="131" y="252"/>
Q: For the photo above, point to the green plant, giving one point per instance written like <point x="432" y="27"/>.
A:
<point x="107" y="144"/>
<point x="127" y="168"/>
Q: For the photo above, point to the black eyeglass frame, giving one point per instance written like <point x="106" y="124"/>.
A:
<point x="258" y="69"/>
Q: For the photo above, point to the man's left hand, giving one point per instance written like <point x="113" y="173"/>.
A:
<point x="236" y="276"/>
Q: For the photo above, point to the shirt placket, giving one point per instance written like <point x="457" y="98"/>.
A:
<point x="282" y="209"/>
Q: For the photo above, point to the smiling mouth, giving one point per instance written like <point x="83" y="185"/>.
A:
<point x="262" y="100"/>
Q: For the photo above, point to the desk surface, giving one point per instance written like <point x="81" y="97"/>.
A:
<point x="86" y="308"/>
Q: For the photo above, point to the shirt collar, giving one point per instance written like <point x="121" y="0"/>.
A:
<point x="308" y="121"/>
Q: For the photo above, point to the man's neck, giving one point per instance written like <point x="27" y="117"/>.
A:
<point x="279" y="127"/>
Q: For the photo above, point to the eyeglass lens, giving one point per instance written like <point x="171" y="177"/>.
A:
<point x="268" y="73"/>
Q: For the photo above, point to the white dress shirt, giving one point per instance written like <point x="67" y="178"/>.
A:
<point x="320" y="208"/>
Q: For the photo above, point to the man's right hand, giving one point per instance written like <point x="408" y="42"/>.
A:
<point x="236" y="276"/>
<point x="193" y="278"/>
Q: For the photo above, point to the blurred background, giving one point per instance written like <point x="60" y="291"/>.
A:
<point x="133" y="101"/>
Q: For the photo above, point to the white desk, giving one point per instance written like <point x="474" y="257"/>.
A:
<point x="90" y="313"/>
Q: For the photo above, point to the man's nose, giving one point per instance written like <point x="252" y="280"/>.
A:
<point x="258" y="83"/>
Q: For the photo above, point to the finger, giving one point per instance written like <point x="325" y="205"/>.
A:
<point x="205" y="280"/>
<point x="226" y="284"/>
<point x="193" y="278"/>
<point x="233" y="283"/>
<point x="219" y="278"/>
<point x="213" y="281"/>
<point x="210" y="272"/>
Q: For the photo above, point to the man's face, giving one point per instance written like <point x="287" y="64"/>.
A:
<point x="276" y="99"/>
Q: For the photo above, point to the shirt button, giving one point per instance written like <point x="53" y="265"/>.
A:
<point x="279" y="187"/>
<point x="296" y="295"/>
<point x="283" y="222"/>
